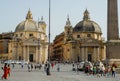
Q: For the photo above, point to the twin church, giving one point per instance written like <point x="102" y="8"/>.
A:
<point x="28" y="42"/>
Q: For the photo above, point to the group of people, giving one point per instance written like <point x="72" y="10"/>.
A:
<point x="6" y="70"/>
<point x="31" y="66"/>
<point x="99" y="70"/>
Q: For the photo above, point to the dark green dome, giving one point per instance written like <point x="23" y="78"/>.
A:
<point x="86" y="25"/>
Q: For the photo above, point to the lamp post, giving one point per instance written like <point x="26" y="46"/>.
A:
<point x="49" y="33"/>
<point x="16" y="46"/>
<point x="39" y="50"/>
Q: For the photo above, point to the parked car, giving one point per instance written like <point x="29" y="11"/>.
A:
<point x="9" y="61"/>
<point x="17" y="62"/>
<point x="81" y="66"/>
<point x="24" y="62"/>
<point x="84" y="64"/>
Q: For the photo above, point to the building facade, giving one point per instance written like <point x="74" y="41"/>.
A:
<point x="84" y="42"/>
<point x="29" y="42"/>
<point x="58" y="47"/>
<point x="4" y="40"/>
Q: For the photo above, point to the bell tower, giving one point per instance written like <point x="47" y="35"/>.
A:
<point x="68" y="30"/>
<point x="113" y="41"/>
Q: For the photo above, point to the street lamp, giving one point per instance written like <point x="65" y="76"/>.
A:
<point x="39" y="50"/>
<point x="49" y="33"/>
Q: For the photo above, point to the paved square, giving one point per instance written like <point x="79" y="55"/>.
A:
<point x="65" y="74"/>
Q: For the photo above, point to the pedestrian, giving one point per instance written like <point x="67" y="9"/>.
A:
<point x="113" y="71"/>
<point x="9" y="69"/>
<point x="22" y="65"/>
<point x="13" y="65"/>
<point x="98" y="70"/>
<point x="48" y="69"/>
<point x="45" y="66"/>
<point x="102" y="70"/>
<point x="58" y="67"/>
<point x="5" y="69"/>
<point x="52" y="65"/>
<point x="28" y="67"/>
<point x="108" y="71"/>
<point x="77" y="68"/>
<point x="31" y="67"/>
<point x="73" y="66"/>
<point x="94" y="70"/>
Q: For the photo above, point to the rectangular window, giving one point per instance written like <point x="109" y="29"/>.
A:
<point x="21" y="34"/>
<point x="78" y="36"/>
<point x="88" y="35"/>
<point x="30" y="35"/>
<point x="16" y="35"/>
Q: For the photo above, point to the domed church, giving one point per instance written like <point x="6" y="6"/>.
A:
<point x="29" y="42"/>
<point x="84" y="42"/>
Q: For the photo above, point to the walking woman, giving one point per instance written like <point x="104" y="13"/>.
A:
<point x="8" y="68"/>
<point x="113" y="68"/>
<point x="5" y="69"/>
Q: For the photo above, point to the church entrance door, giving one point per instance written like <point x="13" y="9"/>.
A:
<point x="31" y="57"/>
<point x="89" y="57"/>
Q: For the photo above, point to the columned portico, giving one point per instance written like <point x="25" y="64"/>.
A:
<point x="91" y="53"/>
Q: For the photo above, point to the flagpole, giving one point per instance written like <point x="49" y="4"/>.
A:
<point x="49" y="33"/>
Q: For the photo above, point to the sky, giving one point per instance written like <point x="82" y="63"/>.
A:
<point x="12" y="12"/>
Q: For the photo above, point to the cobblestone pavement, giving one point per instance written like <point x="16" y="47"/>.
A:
<point x="65" y="74"/>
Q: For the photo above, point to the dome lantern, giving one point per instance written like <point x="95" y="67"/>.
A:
<point x="27" y="25"/>
<point x="86" y="15"/>
<point x="29" y="15"/>
<point x="42" y="21"/>
<point x="68" y="21"/>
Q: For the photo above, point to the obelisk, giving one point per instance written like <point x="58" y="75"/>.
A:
<point x="113" y="42"/>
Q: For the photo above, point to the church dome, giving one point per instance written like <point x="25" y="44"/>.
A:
<point x="28" y="25"/>
<point x="86" y="25"/>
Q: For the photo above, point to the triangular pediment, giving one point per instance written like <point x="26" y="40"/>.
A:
<point x="90" y="41"/>
<point x="31" y="40"/>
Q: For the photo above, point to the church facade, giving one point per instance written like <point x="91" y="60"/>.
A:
<point x="29" y="42"/>
<point x="84" y="42"/>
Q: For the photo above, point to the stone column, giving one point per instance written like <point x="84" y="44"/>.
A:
<point x="82" y="53"/>
<point x="86" y="55"/>
<point x="98" y="54"/>
<point x="103" y="55"/>
<point x="94" y="55"/>
<point x="36" y="54"/>
<point x="28" y="53"/>
<point x="40" y="55"/>
<point x="24" y="53"/>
